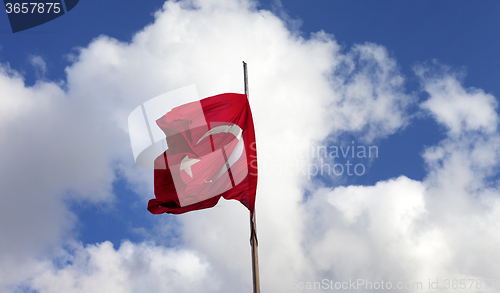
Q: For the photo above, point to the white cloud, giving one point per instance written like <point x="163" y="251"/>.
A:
<point x="129" y="269"/>
<point x="373" y="98"/>
<point x="403" y="230"/>
<point x="53" y="148"/>
<point x="373" y="232"/>
<point x="70" y="143"/>
<point x="39" y="65"/>
<point x="455" y="107"/>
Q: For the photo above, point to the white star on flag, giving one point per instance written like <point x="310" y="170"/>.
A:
<point x="186" y="164"/>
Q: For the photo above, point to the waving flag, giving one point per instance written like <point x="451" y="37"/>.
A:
<point x="200" y="151"/>
<point x="211" y="154"/>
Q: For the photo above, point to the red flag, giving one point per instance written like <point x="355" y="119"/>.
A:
<point x="211" y="154"/>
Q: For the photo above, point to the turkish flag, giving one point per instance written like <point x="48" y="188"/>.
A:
<point x="211" y="154"/>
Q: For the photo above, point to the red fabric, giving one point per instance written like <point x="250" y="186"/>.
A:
<point x="184" y="127"/>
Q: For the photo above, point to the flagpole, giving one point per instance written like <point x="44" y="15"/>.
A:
<point x="253" y="230"/>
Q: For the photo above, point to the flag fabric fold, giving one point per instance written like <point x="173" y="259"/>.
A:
<point x="211" y="154"/>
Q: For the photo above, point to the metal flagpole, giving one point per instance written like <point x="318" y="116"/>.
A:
<point x="253" y="231"/>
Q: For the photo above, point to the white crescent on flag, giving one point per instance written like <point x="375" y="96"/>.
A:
<point x="238" y="150"/>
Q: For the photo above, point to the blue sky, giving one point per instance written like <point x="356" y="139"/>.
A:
<point x="416" y="79"/>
